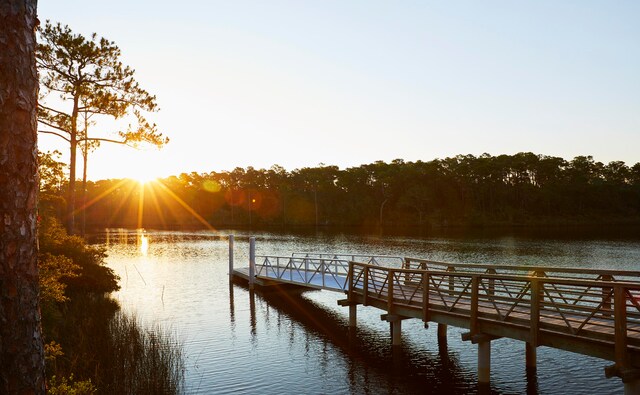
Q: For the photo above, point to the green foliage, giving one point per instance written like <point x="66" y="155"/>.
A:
<point x="53" y="269"/>
<point x="87" y="335"/>
<point x="80" y="266"/>
<point x="70" y="387"/>
<point x="51" y="172"/>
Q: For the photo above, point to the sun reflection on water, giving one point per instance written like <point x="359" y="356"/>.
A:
<point x="143" y="242"/>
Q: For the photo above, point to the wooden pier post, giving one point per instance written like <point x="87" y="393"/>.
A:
<point x="484" y="361"/>
<point x="531" y="357"/>
<point x="353" y="312"/>
<point x="442" y="331"/>
<point x="252" y="261"/>
<point x="231" y="237"/>
<point x="396" y="333"/>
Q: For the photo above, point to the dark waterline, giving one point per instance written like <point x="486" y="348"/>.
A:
<point x="237" y="341"/>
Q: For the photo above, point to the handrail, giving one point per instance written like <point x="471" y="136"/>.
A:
<point x="603" y="274"/>
<point x="327" y="273"/>
<point x="559" y="280"/>
<point x="378" y="259"/>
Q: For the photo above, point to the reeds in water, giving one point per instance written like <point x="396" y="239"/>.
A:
<point x="115" y="350"/>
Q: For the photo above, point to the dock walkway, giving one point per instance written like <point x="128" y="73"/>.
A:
<point x="586" y="311"/>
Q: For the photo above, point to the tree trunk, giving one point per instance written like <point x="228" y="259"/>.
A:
<point x="21" y="349"/>
<point x="85" y="157"/>
<point x="73" y="149"/>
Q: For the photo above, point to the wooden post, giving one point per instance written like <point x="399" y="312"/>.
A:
<point x="323" y="270"/>
<point x="353" y="312"/>
<point x="365" y="286"/>
<point x="531" y="358"/>
<point x="425" y="297"/>
<point x="491" y="291"/>
<point x="606" y="298"/>
<point x="231" y="257"/>
<point x="351" y="282"/>
<point x="390" y="291"/>
<point x="442" y="331"/>
<point x="484" y="361"/>
<point x="620" y="325"/>
<point x="452" y="286"/>
<point x="252" y="261"/>
<point x="534" y="324"/>
<point x="473" y="325"/>
<point x="396" y="332"/>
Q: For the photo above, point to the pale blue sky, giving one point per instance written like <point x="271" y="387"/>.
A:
<point x="297" y="83"/>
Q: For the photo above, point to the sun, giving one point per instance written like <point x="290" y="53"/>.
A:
<point x="142" y="176"/>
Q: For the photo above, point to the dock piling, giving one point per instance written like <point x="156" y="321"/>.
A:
<point x="484" y="361"/>
<point x="353" y="313"/>
<point x="442" y="331"/>
<point x="252" y="261"/>
<point x="530" y="351"/>
<point x="231" y="237"/>
<point x="396" y="333"/>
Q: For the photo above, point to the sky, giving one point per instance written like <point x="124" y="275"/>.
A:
<point x="343" y="82"/>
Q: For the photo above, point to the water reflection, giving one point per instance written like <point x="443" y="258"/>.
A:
<point x="405" y="369"/>
<point x="232" y="307"/>
<point x="532" y="382"/>
<point x="142" y="242"/>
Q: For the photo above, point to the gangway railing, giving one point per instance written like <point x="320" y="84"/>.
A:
<point x="320" y="270"/>
<point x="379" y="260"/>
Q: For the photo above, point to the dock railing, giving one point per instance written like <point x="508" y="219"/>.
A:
<point x="379" y="260"/>
<point x="538" y="271"/>
<point x="593" y="317"/>
<point x="321" y="270"/>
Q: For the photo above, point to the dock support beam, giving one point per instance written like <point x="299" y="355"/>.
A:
<point x="231" y="237"/>
<point x="395" y="321"/>
<point x="531" y="356"/>
<point x="396" y="333"/>
<point x="252" y="261"/>
<point x="353" y="314"/>
<point x="442" y="331"/>
<point x="484" y="354"/>
<point x="630" y="378"/>
<point x="484" y="361"/>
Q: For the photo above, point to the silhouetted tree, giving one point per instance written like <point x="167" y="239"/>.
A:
<point x="90" y="79"/>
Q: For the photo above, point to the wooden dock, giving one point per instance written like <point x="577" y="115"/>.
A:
<point x="586" y="311"/>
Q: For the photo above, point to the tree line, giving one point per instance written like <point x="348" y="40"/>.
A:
<point x="464" y="190"/>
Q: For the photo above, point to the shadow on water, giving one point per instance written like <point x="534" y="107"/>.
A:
<point x="372" y="361"/>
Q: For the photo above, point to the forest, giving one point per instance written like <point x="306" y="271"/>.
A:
<point x="465" y="190"/>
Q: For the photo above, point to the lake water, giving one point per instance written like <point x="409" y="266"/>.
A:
<point x="237" y="342"/>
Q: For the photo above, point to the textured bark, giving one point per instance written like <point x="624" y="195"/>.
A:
<point x="21" y="349"/>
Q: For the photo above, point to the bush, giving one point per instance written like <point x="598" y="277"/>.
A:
<point x="92" y="275"/>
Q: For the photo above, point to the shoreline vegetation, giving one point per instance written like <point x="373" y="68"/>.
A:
<point x="464" y="191"/>
<point x="91" y="346"/>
